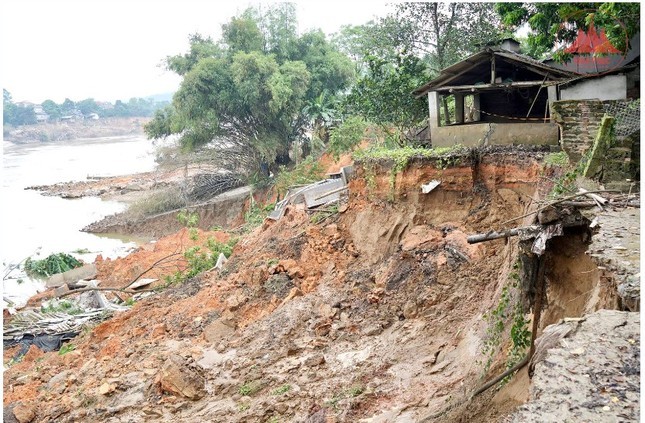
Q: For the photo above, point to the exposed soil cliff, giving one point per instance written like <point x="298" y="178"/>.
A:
<point x="374" y="314"/>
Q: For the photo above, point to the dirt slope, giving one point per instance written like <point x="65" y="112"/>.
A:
<point x="373" y="315"/>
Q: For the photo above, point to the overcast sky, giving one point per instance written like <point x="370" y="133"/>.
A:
<point x="112" y="49"/>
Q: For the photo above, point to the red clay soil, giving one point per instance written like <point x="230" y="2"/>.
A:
<point x="367" y="314"/>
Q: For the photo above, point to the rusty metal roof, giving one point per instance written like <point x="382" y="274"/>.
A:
<point x="470" y="70"/>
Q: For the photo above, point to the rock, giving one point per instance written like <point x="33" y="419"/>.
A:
<point x="372" y="329"/>
<point x="548" y="215"/>
<point x="107" y="388"/>
<point x="159" y="331"/>
<point x="178" y="378"/>
<point x="58" y="383"/>
<point x="218" y="330"/>
<point x="410" y="309"/>
<point x="24" y="413"/>
<point x="315" y="360"/>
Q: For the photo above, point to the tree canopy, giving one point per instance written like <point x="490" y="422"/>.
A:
<point x="555" y="25"/>
<point x="246" y="94"/>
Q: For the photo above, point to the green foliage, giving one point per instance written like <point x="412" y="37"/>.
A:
<point x="66" y="349"/>
<point x="566" y="184"/>
<point x="54" y="263"/>
<point x="256" y="214"/>
<point x="560" y="159"/>
<point x="282" y="390"/>
<point x="81" y="251"/>
<point x="246" y="95"/>
<point x="306" y="172"/>
<point x="347" y="135"/>
<point x="508" y="308"/>
<point x="557" y="24"/>
<point x="188" y="219"/>
<point x="250" y="388"/>
<point x="63" y="306"/>
<point x="383" y="93"/>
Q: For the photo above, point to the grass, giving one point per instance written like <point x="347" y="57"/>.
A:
<point x="557" y="159"/>
<point x="159" y="202"/>
<point x="63" y="306"/>
<point x="282" y="390"/>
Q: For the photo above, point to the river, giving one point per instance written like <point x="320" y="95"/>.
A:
<point x="37" y="225"/>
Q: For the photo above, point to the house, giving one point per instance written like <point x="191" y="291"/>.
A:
<point x="500" y="97"/>
<point x="607" y="74"/>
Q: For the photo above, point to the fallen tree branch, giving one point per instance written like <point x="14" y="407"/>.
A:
<point x="474" y="239"/>
<point x="127" y="291"/>
<point x="496" y="380"/>
<point x="149" y="269"/>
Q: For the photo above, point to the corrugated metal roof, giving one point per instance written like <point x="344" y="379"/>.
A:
<point x="461" y="68"/>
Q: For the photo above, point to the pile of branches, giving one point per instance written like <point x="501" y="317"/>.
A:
<point x="208" y="185"/>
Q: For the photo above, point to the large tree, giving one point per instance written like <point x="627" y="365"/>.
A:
<point x="246" y="94"/>
<point x="555" y="25"/>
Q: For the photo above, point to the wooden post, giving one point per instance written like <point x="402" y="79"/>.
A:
<point x="492" y="69"/>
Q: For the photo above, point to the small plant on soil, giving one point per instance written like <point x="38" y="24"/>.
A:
<point x="307" y="172"/>
<point x="282" y="390"/>
<point x="66" y="349"/>
<point x="355" y="391"/>
<point x="250" y="388"/>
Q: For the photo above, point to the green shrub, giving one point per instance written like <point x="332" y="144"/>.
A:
<point x="307" y="172"/>
<point x="54" y="263"/>
<point x="347" y="135"/>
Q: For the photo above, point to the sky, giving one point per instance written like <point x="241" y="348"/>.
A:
<point x="113" y="49"/>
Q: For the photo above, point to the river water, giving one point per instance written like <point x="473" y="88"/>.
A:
<point x="36" y="225"/>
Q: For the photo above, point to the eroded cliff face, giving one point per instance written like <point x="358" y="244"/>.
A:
<point x="373" y="314"/>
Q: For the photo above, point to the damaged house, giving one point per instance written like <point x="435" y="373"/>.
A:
<point x="501" y="97"/>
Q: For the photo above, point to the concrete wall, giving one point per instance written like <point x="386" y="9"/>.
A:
<point x="479" y="134"/>
<point x="610" y="87"/>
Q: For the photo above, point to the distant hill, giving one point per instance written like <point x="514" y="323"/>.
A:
<point x="161" y="97"/>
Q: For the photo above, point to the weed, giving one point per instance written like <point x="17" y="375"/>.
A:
<point x="244" y="406"/>
<point x="250" y="388"/>
<point x="323" y="214"/>
<point x="307" y="172"/>
<point x="129" y="302"/>
<point x="20" y="281"/>
<point x="272" y="262"/>
<point x="560" y="159"/>
<point x="63" y="306"/>
<point x="66" y="348"/>
<point x="355" y="391"/>
<point x="158" y="202"/>
<point x="282" y="390"/>
<point x="81" y="251"/>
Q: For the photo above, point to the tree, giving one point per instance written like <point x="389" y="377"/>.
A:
<point x="384" y="94"/>
<point x="446" y="32"/>
<point x="555" y="25"/>
<point x="52" y="109"/>
<point x="68" y="107"/>
<point x="246" y="94"/>
<point x="88" y="106"/>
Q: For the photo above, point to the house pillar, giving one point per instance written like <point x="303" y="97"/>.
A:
<point x="459" y="108"/>
<point x="552" y="91"/>
<point x="433" y="106"/>
<point x="477" y="116"/>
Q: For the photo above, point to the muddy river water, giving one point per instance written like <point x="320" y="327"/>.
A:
<point x="35" y="225"/>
